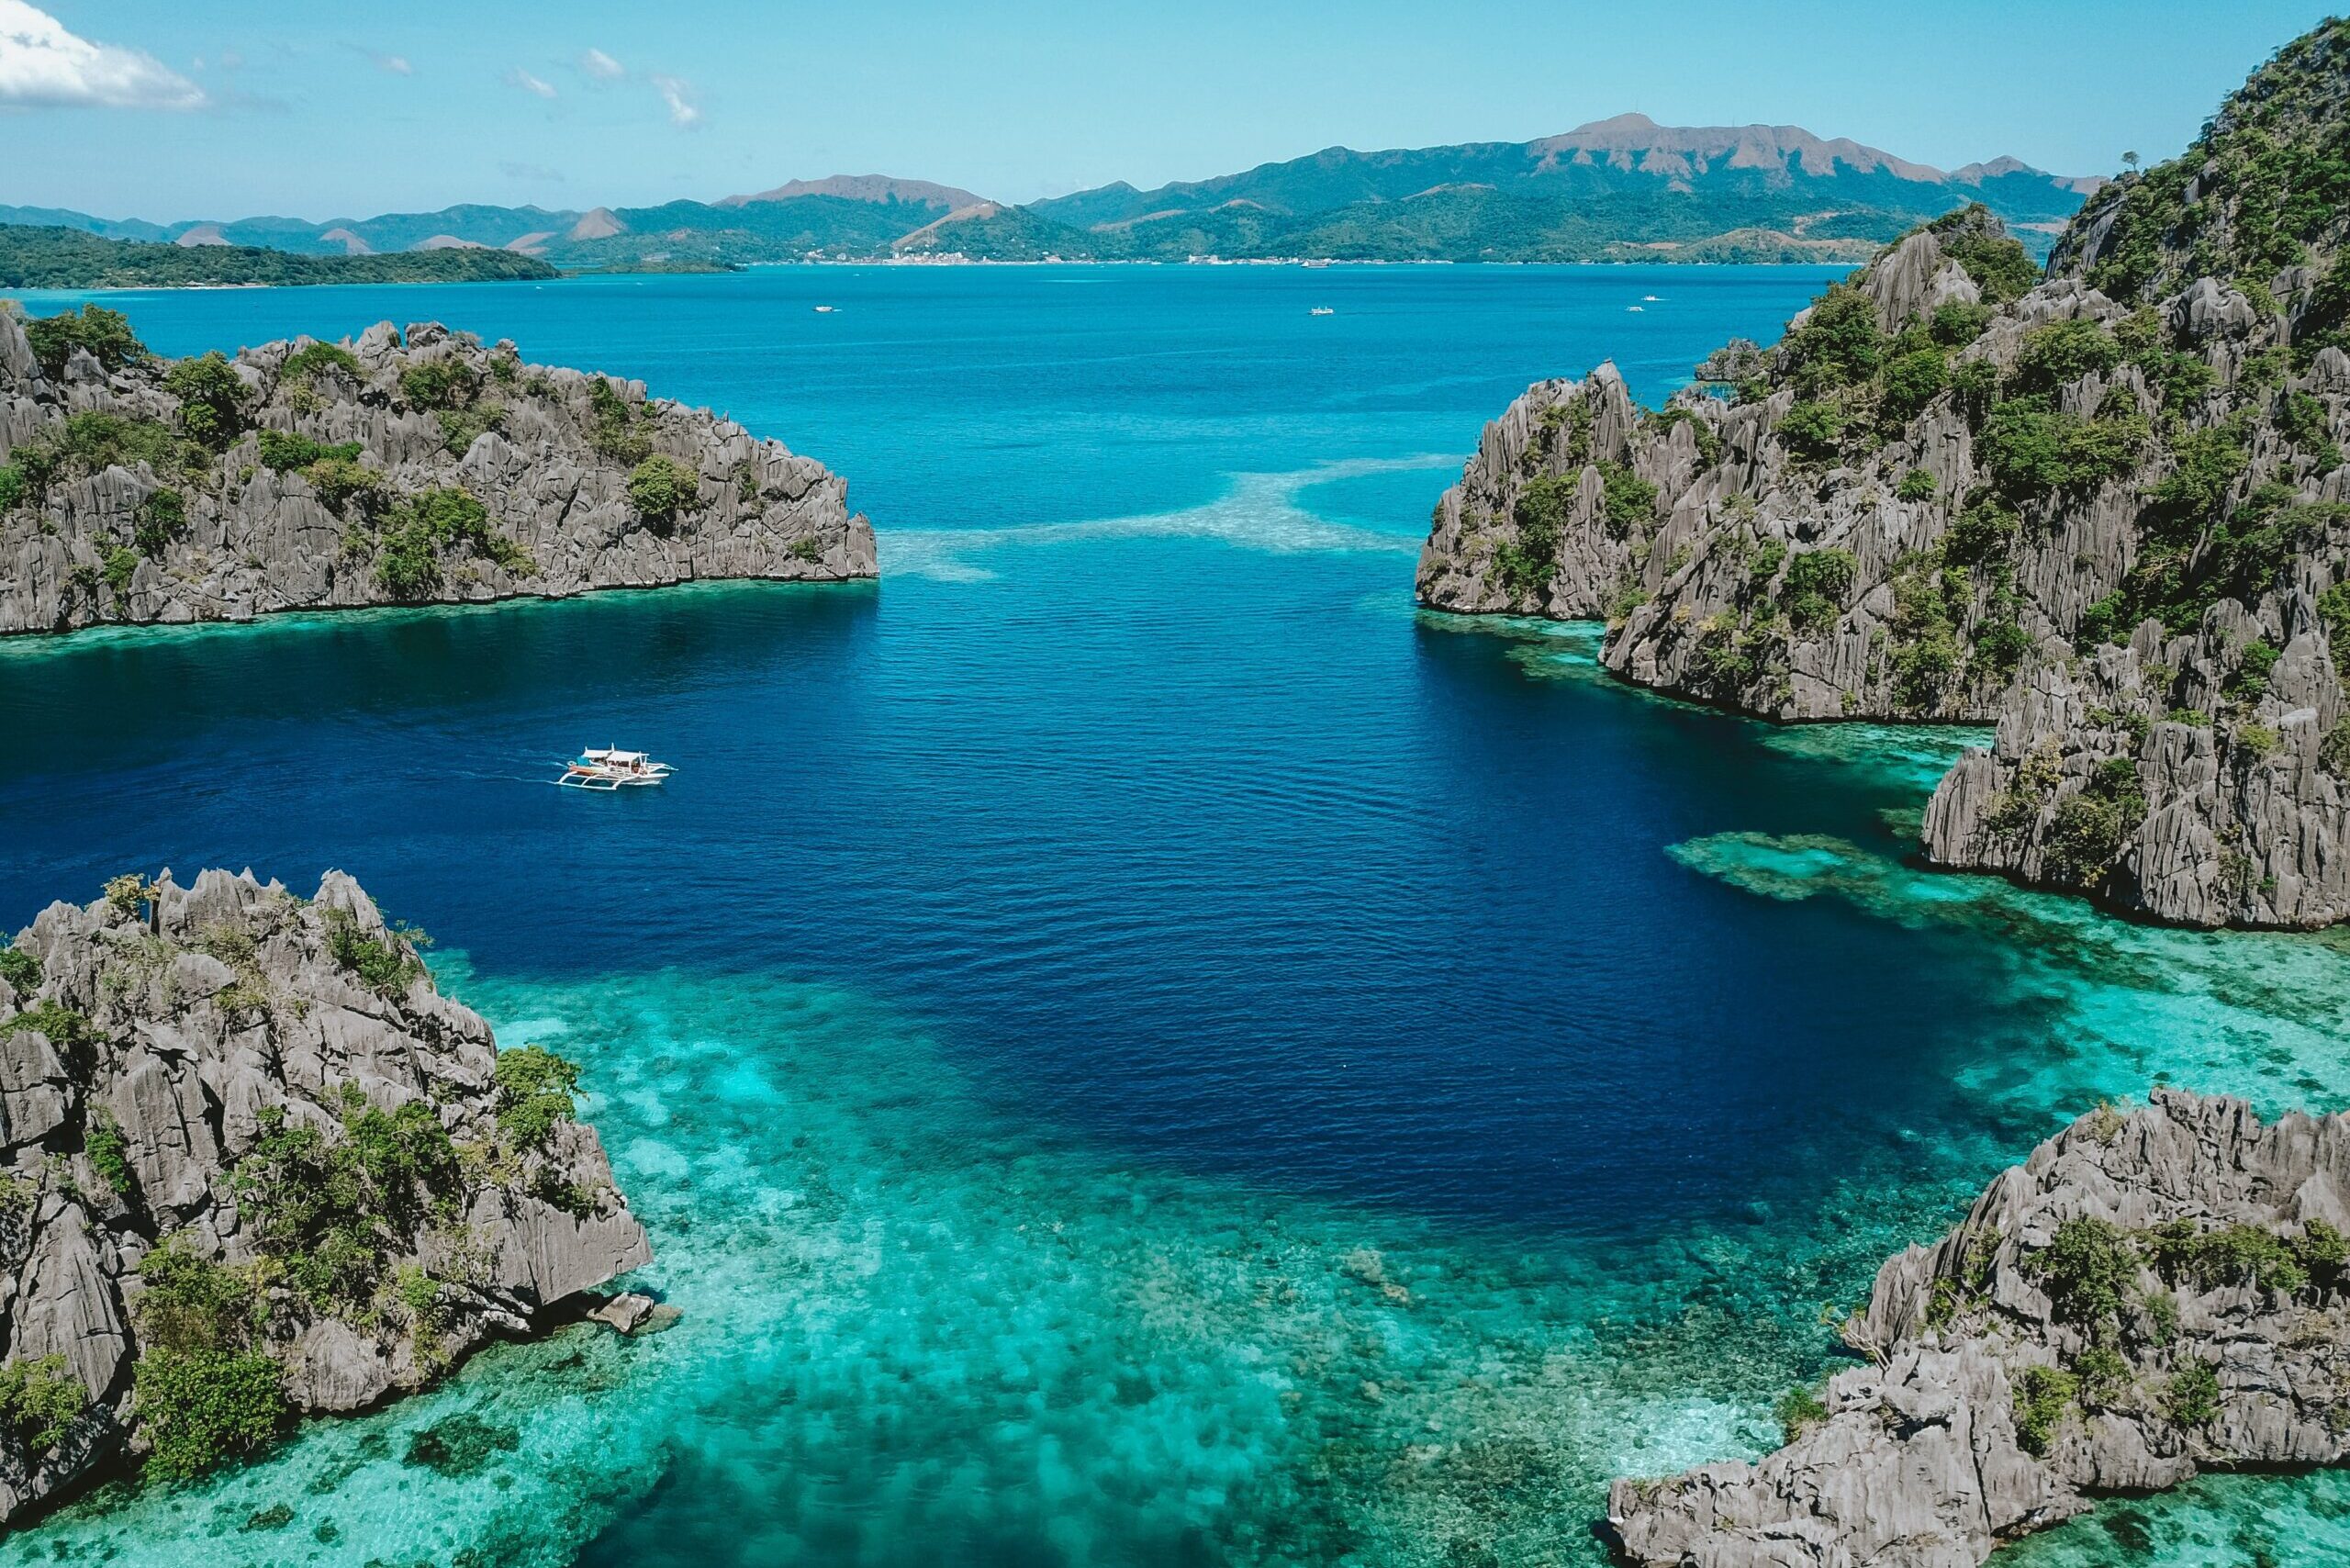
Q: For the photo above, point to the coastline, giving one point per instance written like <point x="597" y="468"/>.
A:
<point x="1303" y="263"/>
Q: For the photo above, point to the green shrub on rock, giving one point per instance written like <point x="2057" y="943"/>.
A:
<point x="199" y="1408"/>
<point x="417" y="530"/>
<point x="332" y="1210"/>
<point x="2032" y="452"/>
<point x="1626" y="500"/>
<point x="1540" y="513"/>
<point x="1830" y="573"/>
<point x="2103" y="1371"/>
<point x="438" y="383"/>
<point x="1955" y="324"/>
<point x="535" y="1088"/>
<point x="2233" y="1255"/>
<point x="1910" y="382"/>
<point x="305" y="365"/>
<point x="2194" y="492"/>
<point x="2192" y="1396"/>
<point x="1813" y="432"/>
<point x="341" y="481"/>
<point x="378" y="962"/>
<point x="39" y="1400"/>
<point x="109" y="1153"/>
<point x="190" y="1304"/>
<point x="91" y="442"/>
<point x="2301" y="419"/>
<point x="2090" y="828"/>
<point x="121" y="566"/>
<point x="211" y="400"/>
<point x="1979" y="534"/>
<point x="611" y="425"/>
<point x="2086" y="1268"/>
<point x="2333" y="752"/>
<point x="661" y="487"/>
<point x="460" y="428"/>
<point x="1817" y="582"/>
<point x="2042" y="1395"/>
<point x="2055" y="356"/>
<point x="2001" y="646"/>
<point x="162" y="518"/>
<point x="74" y="1037"/>
<point x="1839" y="343"/>
<point x="2002" y="269"/>
<point x="106" y="334"/>
<point x="282" y="451"/>
<point x="1799" y="1410"/>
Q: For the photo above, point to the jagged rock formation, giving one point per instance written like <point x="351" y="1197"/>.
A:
<point x="2147" y="1295"/>
<point x="245" y="1144"/>
<point x="2105" y="509"/>
<point x="404" y="467"/>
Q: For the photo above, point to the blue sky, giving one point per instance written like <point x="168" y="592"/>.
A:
<point x="139" y="107"/>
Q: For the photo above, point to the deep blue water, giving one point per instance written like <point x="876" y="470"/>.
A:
<point x="1137" y="803"/>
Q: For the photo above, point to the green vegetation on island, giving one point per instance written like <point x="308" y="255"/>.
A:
<point x="2103" y="507"/>
<point x="68" y="258"/>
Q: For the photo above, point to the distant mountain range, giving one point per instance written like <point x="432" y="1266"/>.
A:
<point x="1617" y="189"/>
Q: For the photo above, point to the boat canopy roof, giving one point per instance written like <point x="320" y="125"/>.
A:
<point x="609" y="753"/>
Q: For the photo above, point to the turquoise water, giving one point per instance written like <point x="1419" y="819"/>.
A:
<point x="1135" y="1047"/>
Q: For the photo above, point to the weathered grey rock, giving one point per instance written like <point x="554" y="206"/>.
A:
<point x="1921" y="1461"/>
<point x="191" y="1022"/>
<point x="625" y="1313"/>
<point x="546" y="452"/>
<point x="2245" y="815"/>
<point x="1687" y="530"/>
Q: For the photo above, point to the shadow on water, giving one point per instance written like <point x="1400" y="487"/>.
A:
<point x="624" y="647"/>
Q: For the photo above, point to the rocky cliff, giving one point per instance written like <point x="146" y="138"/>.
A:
<point x="2104" y="507"/>
<point x="253" y="1165"/>
<point x="404" y="467"/>
<point x="2149" y="1295"/>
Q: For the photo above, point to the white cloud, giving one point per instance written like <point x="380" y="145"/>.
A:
<point x="41" y="63"/>
<point x="518" y="77"/>
<point x="678" y="94"/>
<point x="396" y="63"/>
<point x="602" y="66"/>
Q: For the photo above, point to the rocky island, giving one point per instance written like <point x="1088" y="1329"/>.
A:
<point x="405" y="467"/>
<point x="252" y="1166"/>
<point x="2104" y="507"/>
<point x="2151" y="1293"/>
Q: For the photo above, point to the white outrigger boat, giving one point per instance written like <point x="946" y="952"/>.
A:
<point x="608" y="767"/>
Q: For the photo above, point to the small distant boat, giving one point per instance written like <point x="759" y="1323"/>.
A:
<point x="1635" y="309"/>
<point x="1651" y="298"/>
<point x="608" y="767"/>
<point x="1323" y="310"/>
<point x="826" y="310"/>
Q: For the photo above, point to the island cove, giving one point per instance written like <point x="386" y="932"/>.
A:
<point x="1235" y="1170"/>
<point x="1513" y="1376"/>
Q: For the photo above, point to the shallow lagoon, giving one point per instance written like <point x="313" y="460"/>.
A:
<point x="1135" y="1047"/>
